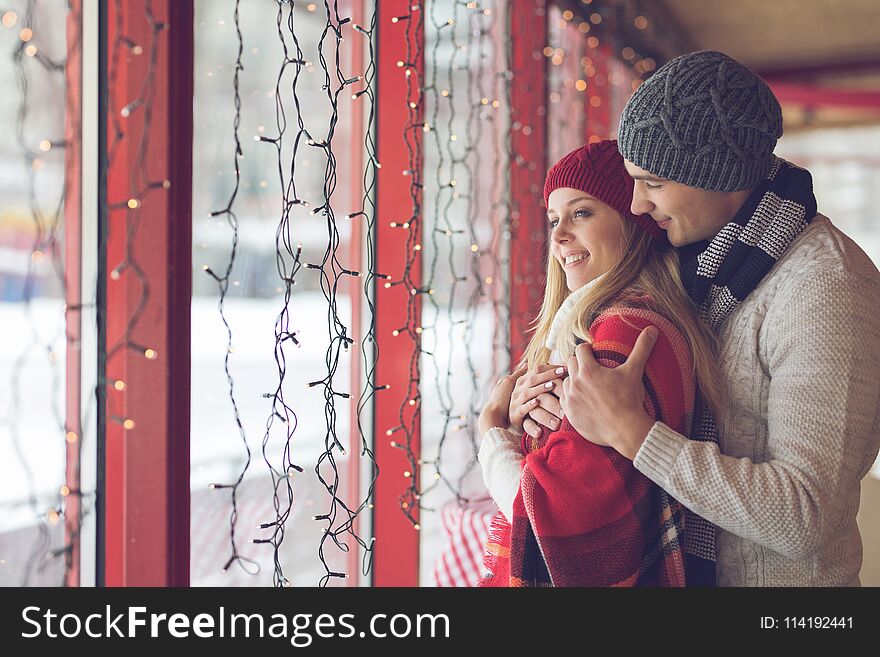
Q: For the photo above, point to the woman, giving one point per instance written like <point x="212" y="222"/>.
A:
<point x="572" y="513"/>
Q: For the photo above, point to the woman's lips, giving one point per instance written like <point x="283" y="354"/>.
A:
<point x="664" y="224"/>
<point x="575" y="263"/>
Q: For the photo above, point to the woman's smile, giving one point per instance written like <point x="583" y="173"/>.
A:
<point x="575" y="259"/>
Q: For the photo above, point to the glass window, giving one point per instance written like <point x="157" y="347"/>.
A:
<point x="254" y="306"/>
<point x="34" y="442"/>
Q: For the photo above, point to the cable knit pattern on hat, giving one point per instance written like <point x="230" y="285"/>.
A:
<point x="703" y="120"/>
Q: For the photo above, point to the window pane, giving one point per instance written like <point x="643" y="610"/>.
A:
<point x="33" y="484"/>
<point x="256" y="294"/>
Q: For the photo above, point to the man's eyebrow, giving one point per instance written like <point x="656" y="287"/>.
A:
<point x="648" y="177"/>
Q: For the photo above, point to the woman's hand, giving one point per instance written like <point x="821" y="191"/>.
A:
<point x="550" y="406"/>
<point x="495" y="411"/>
<point x="535" y="396"/>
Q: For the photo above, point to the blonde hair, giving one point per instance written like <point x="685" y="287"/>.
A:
<point x="646" y="268"/>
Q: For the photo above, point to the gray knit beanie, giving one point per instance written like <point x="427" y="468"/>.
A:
<point x="704" y="120"/>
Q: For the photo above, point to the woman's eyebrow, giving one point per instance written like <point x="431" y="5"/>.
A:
<point x="573" y="201"/>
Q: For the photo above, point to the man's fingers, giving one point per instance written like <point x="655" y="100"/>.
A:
<point x="642" y="349"/>
<point x="583" y="354"/>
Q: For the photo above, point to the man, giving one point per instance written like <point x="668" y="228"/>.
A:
<point x="796" y="307"/>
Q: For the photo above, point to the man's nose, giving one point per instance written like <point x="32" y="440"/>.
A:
<point x="640" y="204"/>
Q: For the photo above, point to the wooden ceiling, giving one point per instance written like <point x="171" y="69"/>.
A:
<point x="780" y="34"/>
<point x="824" y="44"/>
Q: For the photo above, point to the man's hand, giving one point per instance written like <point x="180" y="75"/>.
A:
<point x="606" y="405"/>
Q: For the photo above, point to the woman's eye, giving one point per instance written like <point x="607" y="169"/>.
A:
<point x="582" y="213"/>
<point x="553" y="222"/>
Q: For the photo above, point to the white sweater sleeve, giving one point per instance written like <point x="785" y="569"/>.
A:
<point x="500" y="457"/>
<point x="822" y="426"/>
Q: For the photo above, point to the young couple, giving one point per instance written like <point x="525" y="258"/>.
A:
<point x="700" y="398"/>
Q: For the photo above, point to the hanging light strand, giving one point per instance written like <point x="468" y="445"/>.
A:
<point x="33" y="65"/>
<point x="223" y="280"/>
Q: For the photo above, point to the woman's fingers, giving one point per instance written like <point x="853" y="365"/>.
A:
<point x="544" y="375"/>
<point x="532" y="428"/>
<point x="528" y="394"/>
<point x="539" y="380"/>
<point x="540" y="375"/>
<point x="521" y="411"/>
<point x="545" y="418"/>
<point x="550" y="403"/>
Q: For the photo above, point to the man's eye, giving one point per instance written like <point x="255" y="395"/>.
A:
<point x="650" y="186"/>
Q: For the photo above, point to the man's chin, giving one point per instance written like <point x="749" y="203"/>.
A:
<point x="676" y="239"/>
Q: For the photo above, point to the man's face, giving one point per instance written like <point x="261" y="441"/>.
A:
<point x="687" y="214"/>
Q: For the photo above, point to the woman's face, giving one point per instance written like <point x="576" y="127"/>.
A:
<point x="586" y="235"/>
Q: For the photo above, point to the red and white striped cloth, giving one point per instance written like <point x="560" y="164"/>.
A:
<point x="467" y="530"/>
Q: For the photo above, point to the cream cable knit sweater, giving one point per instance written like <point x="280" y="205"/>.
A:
<point x="801" y="358"/>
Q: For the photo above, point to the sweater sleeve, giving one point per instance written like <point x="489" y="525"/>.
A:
<point x="501" y="458"/>
<point x="822" y="425"/>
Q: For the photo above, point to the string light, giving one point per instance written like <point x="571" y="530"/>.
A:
<point x="456" y="147"/>
<point x="340" y="517"/>
<point x="223" y="281"/>
<point x="415" y="91"/>
<point x="46" y="209"/>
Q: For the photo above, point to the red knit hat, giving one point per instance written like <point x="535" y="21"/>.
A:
<point x="598" y="170"/>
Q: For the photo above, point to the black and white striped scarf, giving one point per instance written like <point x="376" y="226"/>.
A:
<point x="719" y="274"/>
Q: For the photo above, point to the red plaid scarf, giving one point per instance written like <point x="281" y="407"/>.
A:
<point x="584" y="516"/>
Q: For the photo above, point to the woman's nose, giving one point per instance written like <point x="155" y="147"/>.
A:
<point x="561" y="233"/>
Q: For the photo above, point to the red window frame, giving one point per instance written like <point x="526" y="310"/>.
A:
<point x="145" y="514"/>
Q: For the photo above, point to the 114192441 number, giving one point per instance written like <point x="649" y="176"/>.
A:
<point x="817" y="622"/>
